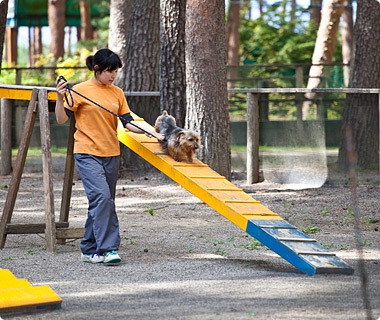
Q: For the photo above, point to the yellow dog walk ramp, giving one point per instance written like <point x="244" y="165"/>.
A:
<point x="241" y="209"/>
<point x="20" y="295"/>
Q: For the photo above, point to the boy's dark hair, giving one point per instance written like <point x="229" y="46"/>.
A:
<point x="104" y="59"/>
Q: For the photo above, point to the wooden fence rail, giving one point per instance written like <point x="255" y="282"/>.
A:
<point x="23" y="93"/>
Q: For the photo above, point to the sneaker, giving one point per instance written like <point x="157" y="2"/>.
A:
<point x="93" y="258"/>
<point x="111" y="257"/>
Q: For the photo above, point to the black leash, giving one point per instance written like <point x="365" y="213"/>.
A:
<point x="71" y="104"/>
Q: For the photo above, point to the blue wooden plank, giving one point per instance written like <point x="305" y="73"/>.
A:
<point x="328" y="264"/>
<point x="303" y="252"/>
<point x="288" y="233"/>
<point x="272" y="243"/>
<point x="273" y="224"/>
<point x="300" y="247"/>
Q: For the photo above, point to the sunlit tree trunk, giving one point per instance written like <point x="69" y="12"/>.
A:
<point x="233" y="24"/>
<point x="360" y="128"/>
<point x="120" y="12"/>
<point x="324" y="47"/>
<point x="172" y="71"/>
<point x="57" y="23"/>
<point x="85" y="20"/>
<point x="207" y="101"/>
<point x="347" y="38"/>
<point x="37" y="43"/>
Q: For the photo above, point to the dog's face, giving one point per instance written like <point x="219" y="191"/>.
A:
<point x="189" y="141"/>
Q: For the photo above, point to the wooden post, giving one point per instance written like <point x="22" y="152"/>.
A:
<point x="299" y="96"/>
<point x="19" y="167"/>
<point x="18" y="76"/>
<point x="252" y="138"/>
<point x="47" y="168"/>
<point x="68" y="178"/>
<point x="6" y="136"/>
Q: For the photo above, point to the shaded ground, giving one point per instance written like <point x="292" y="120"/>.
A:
<point x="185" y="261"/>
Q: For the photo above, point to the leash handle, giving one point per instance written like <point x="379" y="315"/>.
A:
<point x="70" y="104"/>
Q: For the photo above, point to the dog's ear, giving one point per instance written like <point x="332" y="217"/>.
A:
<point x="180" y="135"/>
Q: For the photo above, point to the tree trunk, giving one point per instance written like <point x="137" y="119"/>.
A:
<point x="143" y="51"/>
<point x="207" y="100"/>
<point x="3" y="21"/>
<point x="361" y="111"/>
<point x="37" y="43"/>
<point x="120" y="11"/>
<point x="57" y="23"/>
<point x="141" y="68"/>
<point x="347" y="38"/>
<point x="315" y="11"/>
<point x="324" y="47"/>
<point x="172" y="71"/>
<point x="233" y="24"/>
<point x="85" y="20"/>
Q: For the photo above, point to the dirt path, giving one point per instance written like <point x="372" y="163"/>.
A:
<point x="185" y="261"/>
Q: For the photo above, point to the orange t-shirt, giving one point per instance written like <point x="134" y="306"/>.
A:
<point x="96" y="129"/>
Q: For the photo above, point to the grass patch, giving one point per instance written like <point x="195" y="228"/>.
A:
<point x="34" y="151"/>
<point x="282" y="148"/>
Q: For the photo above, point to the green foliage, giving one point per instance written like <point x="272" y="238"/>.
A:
<point x="7" y="76"/>
<point x="150" y="211"/>
<point x="69" y="67"/>
<point x="274" y="39"/>
<point x="268" y="45"/>
<point x="310" y="229"/>
<point x="101" y="25"/>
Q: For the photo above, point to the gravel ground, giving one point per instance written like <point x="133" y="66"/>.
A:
<point x="185" y="261"/>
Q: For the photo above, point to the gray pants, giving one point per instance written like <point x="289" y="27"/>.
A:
<point x="99" y="176"/>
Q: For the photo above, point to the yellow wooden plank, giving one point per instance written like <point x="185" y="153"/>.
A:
<point x="27" y="297"/>
<point x="6" y="275"/>
<point x="230" y="195"/>
<point x="203" y="182"/>
<point x="23" y="92"/>
<point x="13" y="284"/>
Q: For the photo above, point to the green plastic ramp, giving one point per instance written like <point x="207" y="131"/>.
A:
<point x="241" y="209"/>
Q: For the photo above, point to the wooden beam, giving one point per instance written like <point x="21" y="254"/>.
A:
<point x="6" y="136"/>
<point x="47" y="170"/>
<point x="70" y="233"/>
<point x="31" y="228"/>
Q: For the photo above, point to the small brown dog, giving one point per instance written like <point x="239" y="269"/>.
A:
<point x="179" y="143"/>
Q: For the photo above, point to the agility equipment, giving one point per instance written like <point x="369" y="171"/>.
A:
<point x="241" y="209"/>
<point x="18" y="295"/>
<point x="233" y="203"/>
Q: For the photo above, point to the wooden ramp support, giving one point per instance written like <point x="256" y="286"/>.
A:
<point x="241" y="209"/>
<point x="17" y="295"/>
